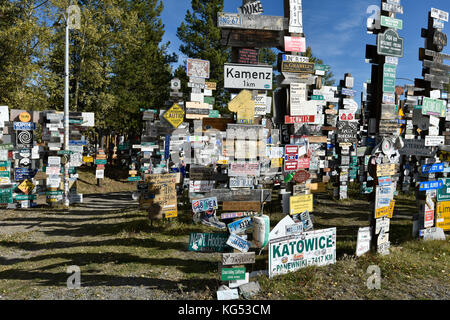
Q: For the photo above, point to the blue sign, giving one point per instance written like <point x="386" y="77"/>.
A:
<point x="77" y="143"/>
<point x="167" y="147"/>
<point x="431" y="168"/>
<point x="26" y="126"/>
<point x="21" y="174"/>
<point x="401" y="121"/>
<point x="348" y="92"/>
<point x="431" y="185"/>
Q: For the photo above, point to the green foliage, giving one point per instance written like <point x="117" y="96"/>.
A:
<point x="328" y="78"/>
<point x="201" y="40"/>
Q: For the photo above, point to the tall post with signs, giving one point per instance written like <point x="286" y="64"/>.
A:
<point x="433" y="186"/>
<point x="384" y="119"/>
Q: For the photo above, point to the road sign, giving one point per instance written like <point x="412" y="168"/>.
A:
<point x="389" y="43"/>
<point x="389" y="75"/>
<point x="175" y="115"/>
<point x="443" y="194"/>
<point x="26" y="187"/>
<point x="431" y="185"/>
<point x="391" y="22"/>
<point x="254" y="77"/>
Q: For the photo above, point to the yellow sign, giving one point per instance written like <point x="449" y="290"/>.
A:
<point x="300" y="204"/>
<point x="211" y="85"/>
<point x="162" y="195"/>
<point x="277" y="163"/>
<point x="244" y="106"/>
<point x="318" y="187"/>
<point x="443" y="215"/>
<point x="26" y="187"/>
<point x="386" y="211"/>
<point x="174" y="115"/>
<point x="171" y="214"/>
<point x="25" y="117"/>
<point x="384" y="170"/>
<point x="88" y="159"/>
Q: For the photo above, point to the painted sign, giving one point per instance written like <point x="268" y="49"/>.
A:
<point x="347" y="132"/>
<point x="299" y="119"/>
<point x="311" y="248"/>
<point x="28" y="126"/>
<point x="208" y="242"/>
<point x="389" y="75"/>
<point x="389" y="43"/>
<point x="384" y="170"/>
<point x="295" y="16"/>
<point x="198" y="68"/>
<point x="238" y="243"/>
<point x="248" y="56"/>
<point x="238" y="258"/>
<point x="300" y="204"/>
<point x="254" y="77"/>
<point x="297" y="67"/>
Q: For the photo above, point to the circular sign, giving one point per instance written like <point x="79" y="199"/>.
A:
<point x="25" y="117"/>
<point x="301" y="176"/>
<point x="25" y="162"/>
<point x="387" y="147"/>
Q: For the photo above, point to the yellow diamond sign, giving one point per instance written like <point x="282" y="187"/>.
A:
<point x="174" y="115"/>
<point x="26" y="187"/>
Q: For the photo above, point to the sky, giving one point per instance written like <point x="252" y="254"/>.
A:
<point x="336" y="32"/>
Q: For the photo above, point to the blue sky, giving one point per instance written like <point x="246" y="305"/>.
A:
<point x="336" y="32"/>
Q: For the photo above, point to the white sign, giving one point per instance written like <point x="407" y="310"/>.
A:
<point x="100" y="174"/>
<point x="296" y="16"/>
<point x="439" y="14"/>
<point x="4" y="115"/>
<point x="201" y="186"/>
<point x="254" y="77"/>
<point x="363" y="242"/>
<point x="297" y="96"/>
<point x="232" y="294"/>
<point x="305" y="108"/>
<point x="433" y="141"/>
<point x="260" y="105"/>
<point x="54" y="162"/>
<point x="311" y="248"/>
<point x="198" y="68"/>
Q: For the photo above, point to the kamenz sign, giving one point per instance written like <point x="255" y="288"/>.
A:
<point x="255" y="77"/>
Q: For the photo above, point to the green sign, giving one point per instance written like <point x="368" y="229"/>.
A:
<point x="6" y="147"/>
<point x="214" y="114"/>
<point x="62" y="152"/>
<point x="208" y="242"/>
<point x="391" y="22"/>
<point x="209" y="100"/>
<point x="321" y="67"/>
<point x="54" y="193"/>
<point x="5" y="174"/>
<point x="122" y="147"/>
<point x="101" y="161"/>
<point x="148" y="110"/>
<point x="23" y="197"/>
<point x="434" y="107"/>
<point x="6" y="196"/>
<point x="233" y="274"/>
<point x="443" y="194"/>
<point x="389" y="75"/>
<point x="389" y="43"/>
<point x="73" y="121"/>
<point x="317" y="97"/>
<point x="134" y="178"/>
<point x="5" y="164"/>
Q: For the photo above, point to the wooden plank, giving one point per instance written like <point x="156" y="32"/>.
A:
<point x="216" y="123"/>
<point x="252" y="38"/>
<point x="436" y="65"/>
<point x="241" y="205"/>
<point x="251" y="22"/>
<point x="434" y="78"/>
<point x="240" y="195"/>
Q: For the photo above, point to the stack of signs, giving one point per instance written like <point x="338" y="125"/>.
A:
<point x="383" y="115"/>
<point x="25" y="166"/>
<point x="100" y="162"/>
<point x="53" y="136"/>
<point x="347" y="136"/>
<point x="431" y="116"/>
<point x="6" y="185"/>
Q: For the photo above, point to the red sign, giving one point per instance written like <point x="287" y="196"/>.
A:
<point x="301" y="176"/>
<point x="291" y="158"/>
<point x="295" y="44"/>
<point x="291" y="165"/>
<point x="299" y="119"/>
<point x="100" y="166"/>
<point x="346" y="116"/>
<point x="303" y="163"/>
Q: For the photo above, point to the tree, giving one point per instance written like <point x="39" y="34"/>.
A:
<point x="201" y="39"/>
<point x="328" y="78"/>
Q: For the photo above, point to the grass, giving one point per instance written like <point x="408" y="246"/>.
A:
<point x="122" y="256"/>
<point x="116" y="180"/>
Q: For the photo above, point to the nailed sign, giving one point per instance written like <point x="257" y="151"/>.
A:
<point x="208" y="242"/>
<point x="347" y="132"/>
<point x="174" y="115"/>
<point x="300" y="204"/>
<point x="389" y="43"/>
<point x="434" y="107"/>
<point x="254" y="77"/>
<point x="297" y="67"/>
<point x="198" y="68"/>
<point x="238" y="258"/>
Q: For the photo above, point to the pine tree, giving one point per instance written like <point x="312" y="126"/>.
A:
<point x="328" y="78"/>
<point x="201" y="40"/>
